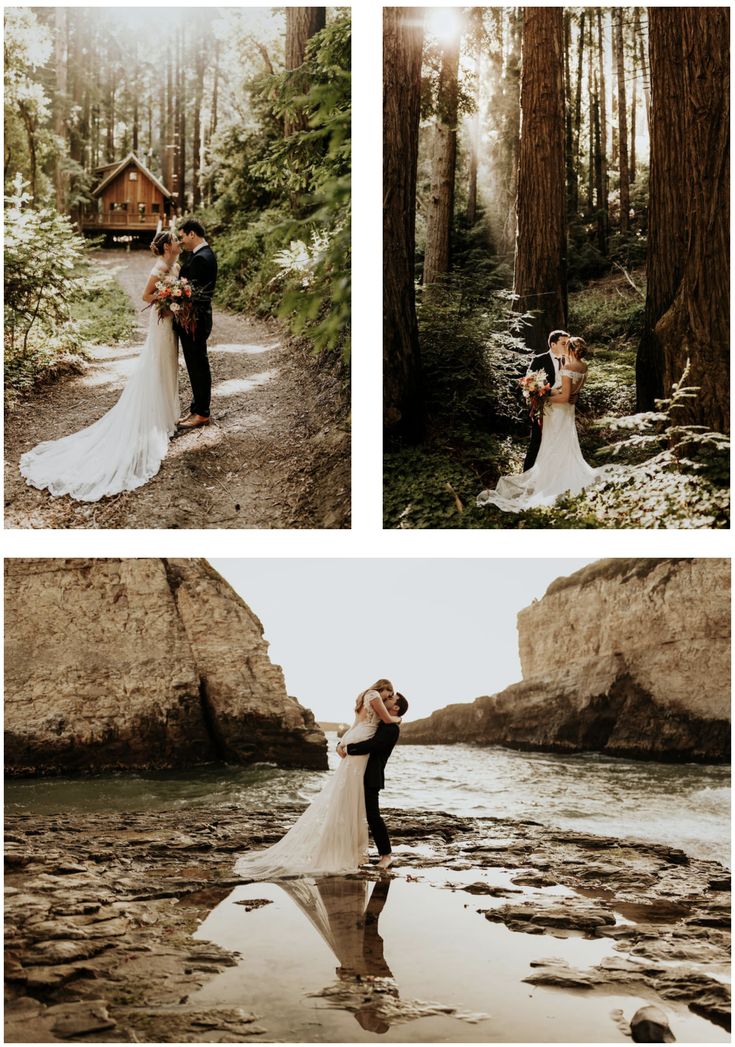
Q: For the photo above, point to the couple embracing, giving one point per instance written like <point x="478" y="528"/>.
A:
<point x="124" y="449"/>
<point x="554" y="465"/>
<point x="331" y="836"/>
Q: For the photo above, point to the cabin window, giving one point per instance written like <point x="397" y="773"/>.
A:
<point x="141" y="209"/>
<point x="123" y="206"/>
<point x="156" y="208"/>
<point x="133" y="176"/>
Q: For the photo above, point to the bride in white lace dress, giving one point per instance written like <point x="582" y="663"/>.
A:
<point x="331" y="836"/>
<point x="559" y="468"/>
<point x="124" y="448"/>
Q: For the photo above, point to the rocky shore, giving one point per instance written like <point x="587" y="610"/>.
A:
<point x="101" y="911"/>
<point x="627" y="657"/>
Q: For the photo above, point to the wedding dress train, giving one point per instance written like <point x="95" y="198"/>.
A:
<point x="124" y="448"/>
<point x="559" y="468"/>
<point x="331" y="836"/>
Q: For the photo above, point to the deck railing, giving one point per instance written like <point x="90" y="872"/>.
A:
<point x="124" y="219"/>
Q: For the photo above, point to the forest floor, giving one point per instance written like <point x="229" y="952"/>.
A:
<point x="276" y="456"/>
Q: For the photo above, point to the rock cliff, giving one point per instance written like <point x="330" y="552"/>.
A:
<point x="626" y="657"/>
<point x="141" y="663"/>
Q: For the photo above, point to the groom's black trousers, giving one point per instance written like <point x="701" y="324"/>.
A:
<point x="197" y="364"/>
<point x="533" y="447"/>
<point x="376" y="824"/>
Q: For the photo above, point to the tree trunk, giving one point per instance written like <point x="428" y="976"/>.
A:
<point x="602" y="202"/>
<point x="60" y="106"/>
<point x="633" y="107"/>
<point x="540" y="265"/>
<point x="644" y="68"/>
<point x="402" y="54"/>
<point x="440" y="207"/>
<point x="181" y="120"/>
<point x="578" y="109"/>
<point x="667" y="214"/>
<point x="477" y="13"/>
<point x="591" y="149"/>
<point x="196" y="156"/>
<point x="599" y="184"/>
<point x="568" y="117"/>
<point x="622" y="124"/>
<point x="301" y="24"/>
<point x="695" y="326"/>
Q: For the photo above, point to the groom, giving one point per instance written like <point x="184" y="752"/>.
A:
<point x="551" y="362"/>
<point x="200" y="269"/>
<point x="379" y="748"/>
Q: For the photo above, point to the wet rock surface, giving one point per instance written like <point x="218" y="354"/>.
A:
<point x="100" y="911"/>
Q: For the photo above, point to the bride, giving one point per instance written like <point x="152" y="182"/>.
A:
<point x="331" y="836"/>
<point x="559" y="468"/>
<point x="124" y="448"/>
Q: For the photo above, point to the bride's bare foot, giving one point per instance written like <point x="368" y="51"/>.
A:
<point x="385" y="862"/>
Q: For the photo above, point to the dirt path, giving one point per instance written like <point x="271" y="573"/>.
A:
<point x="275" y="457"/>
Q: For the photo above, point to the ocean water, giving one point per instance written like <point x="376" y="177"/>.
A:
<point x="682" y="805"/>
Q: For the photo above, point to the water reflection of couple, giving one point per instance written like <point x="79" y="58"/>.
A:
<point x="331" y="836"/>
<point x="347" y="919"/>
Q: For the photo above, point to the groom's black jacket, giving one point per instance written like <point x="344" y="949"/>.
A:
<point x="200" y="269"/>
<point x="379" y="748"/>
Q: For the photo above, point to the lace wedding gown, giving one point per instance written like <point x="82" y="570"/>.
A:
<point x="125" y="448"/>
<point x="331" y="836"/>
<point x="559" y="468"/>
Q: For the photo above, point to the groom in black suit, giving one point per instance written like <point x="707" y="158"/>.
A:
<point x="378" y="748"/>
<point x="551" y="362"/>
<point x="200" y="269"/>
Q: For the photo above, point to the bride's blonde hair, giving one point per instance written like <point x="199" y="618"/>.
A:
<point x="377" y="686"/>
<point x="160" y="241"/>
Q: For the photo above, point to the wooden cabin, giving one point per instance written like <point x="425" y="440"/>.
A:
<point x="130" y="199"/>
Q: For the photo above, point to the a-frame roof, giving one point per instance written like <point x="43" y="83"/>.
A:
<point x="130" y="158"/>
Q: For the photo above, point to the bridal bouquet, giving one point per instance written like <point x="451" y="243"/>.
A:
<point x="175" y="297"/>
<point x="536" y="389"/>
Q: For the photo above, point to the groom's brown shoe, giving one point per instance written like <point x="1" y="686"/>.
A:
<point x="194" y="421"/>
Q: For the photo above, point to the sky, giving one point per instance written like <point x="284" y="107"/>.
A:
<point x="442" y="630"/>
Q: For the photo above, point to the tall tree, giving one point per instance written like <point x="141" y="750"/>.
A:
<point x="602" y="203"/>
<point x="402" y="53"/>
<point x="540" y="279"/>
<point x="440" y="206"/>
<point x="476" y="24"/>
<point x="301" y="24"/>
<point x="622" y="123"/>
<point x="578" y="108"/>
<point x="60" y="105"/>
<point x="687" y="305"/>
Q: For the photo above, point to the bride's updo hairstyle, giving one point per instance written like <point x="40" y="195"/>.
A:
<point x="160" y="241"/>
<point x="579" y="348"/>
<point x="377" y="686"/>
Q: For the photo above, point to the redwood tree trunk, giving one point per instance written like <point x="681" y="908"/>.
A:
<point x="402" y="52"/>
<point x="60" y="105"/>
<point x="540" y="264"/>
<point x="667" y="214"/>
<point x="440" y="208"/>
<point x="622" y="125"/>
<point x="695" y="326"/>
<point x="301" y="24"/>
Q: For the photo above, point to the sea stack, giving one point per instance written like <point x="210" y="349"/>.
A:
<point x="629" y="657"/>
<point x="131" y="664"/>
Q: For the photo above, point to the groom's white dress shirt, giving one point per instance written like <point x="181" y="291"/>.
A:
<point x="200" y="246"/>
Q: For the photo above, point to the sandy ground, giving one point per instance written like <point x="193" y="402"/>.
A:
<point x="276" y="457"/>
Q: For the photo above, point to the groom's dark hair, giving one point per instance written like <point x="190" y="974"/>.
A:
<point x="553" y="337"/>
<point x="401" y="704"/>
<point x="191" y="225"/>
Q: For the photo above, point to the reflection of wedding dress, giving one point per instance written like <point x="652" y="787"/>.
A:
<point x="124" y="448"/>
<point x="559" y="468"/>
<point x="331" y="836"/>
